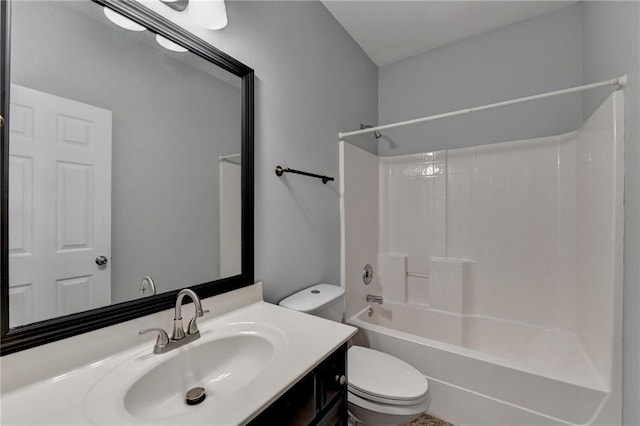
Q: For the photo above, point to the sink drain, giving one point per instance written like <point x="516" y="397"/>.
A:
<point x="195" y="396"/>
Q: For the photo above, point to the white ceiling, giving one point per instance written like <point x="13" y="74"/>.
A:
<point x="391" y="30"/>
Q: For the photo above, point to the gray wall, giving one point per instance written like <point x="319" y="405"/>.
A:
<point x="533" y="56"/>
<point x="170" y="123"/>
<point x="611" y="47"/>
<point x="312" y="80"/>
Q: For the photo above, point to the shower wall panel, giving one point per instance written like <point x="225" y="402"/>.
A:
<point x="359" y="223"/>
<point x="506" y="208"/>
<point x="600" y="171"/>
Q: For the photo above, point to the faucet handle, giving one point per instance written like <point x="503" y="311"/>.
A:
<point x="374" y="299"/>
<point x="161" y="341"/>
<point x="192" y="328"/>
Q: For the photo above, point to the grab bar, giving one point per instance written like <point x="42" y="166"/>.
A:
<point x="417" y="274"/>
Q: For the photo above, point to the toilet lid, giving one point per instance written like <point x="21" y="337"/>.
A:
<point x="313" y="299"/>
<point x="384" y="378"/>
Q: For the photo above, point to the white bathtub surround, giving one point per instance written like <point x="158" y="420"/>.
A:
<point x="514" y="264"/>
<point x="230" y="215"/>
<point x="393" y="276"/>
<point x="600" y="172"/>
<point x="418" y="290"/>
<point x="359" y="224"/>
<point x="507" y="206"/>
<point x="84" y="381"/>
<point x="443" y="288"/>
<point x="449" y="281"/>
<point x="413" y="190"/>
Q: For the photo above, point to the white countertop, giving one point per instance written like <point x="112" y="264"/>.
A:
<point x="94" y="393"/>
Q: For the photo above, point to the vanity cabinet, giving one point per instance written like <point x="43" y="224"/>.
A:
<point x="319" y="398"/>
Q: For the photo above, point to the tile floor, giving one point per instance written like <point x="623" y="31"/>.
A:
<point x="427" y="420"/>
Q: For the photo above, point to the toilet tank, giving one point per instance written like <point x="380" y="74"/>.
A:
<point x="322" y="300"/>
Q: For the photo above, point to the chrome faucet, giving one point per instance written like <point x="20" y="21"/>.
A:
<point x="178" y="329"/>
<point x="179" y="337"/>
<point x="374" y="299"/>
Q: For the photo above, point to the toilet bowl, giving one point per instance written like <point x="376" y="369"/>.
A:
<point x="382" y="389"/>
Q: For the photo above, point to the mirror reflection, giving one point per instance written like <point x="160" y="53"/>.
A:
<point x="124" y="175"/>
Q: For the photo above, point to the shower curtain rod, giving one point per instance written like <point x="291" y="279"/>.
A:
<point x="619" y="82"/>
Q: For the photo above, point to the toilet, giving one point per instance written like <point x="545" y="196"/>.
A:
<point x="382" y="389"/>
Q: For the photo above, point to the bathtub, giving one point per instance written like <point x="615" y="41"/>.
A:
<point x="484" y="370"/>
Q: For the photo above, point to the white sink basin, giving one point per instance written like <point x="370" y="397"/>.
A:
<point x="222" y="367"/>
<point x="152" y="388"/>
<point x="245" y="359"/>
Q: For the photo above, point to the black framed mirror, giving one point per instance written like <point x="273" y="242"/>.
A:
<point x="175" y="201"/>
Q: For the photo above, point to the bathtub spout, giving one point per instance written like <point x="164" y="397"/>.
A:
<point x="374" y="299"/>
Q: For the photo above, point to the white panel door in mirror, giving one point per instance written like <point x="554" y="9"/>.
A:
<point x="59" y="206"/>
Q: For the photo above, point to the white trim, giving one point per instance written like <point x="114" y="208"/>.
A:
<point x="227" y="157"/>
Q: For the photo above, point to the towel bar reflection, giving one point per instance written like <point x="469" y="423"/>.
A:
<point x="280" y="170"/>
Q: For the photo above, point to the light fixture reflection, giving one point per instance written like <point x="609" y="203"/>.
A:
<point x="169" y="45"/>
<point x="208" y="14"/>
<point x="121" y="21"/>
